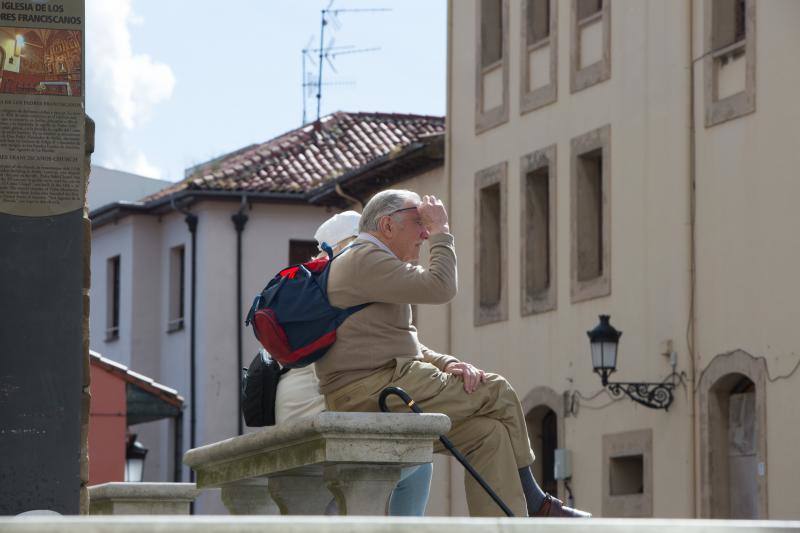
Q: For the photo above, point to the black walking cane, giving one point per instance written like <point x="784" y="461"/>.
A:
<point x="403" y="395"/>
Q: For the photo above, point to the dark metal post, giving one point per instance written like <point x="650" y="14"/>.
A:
<point x="178" y="447"/>
<point x="239" y="221"/>
<point x="191" y="222"/>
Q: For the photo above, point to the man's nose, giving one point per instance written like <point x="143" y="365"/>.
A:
<point x="425" y="234"/>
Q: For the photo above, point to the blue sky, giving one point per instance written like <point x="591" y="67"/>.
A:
<point x="172" y="83"/>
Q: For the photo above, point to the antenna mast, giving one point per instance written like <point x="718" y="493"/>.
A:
<point x="329" y="52"/>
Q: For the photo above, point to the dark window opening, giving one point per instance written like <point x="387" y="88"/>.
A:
<point x="728" y="22"/>
<point x="491" y="32"/>
<point x="587" y="8"/>
<point x="538" y="20"/>
<point x="302" y="251"/>
<point x="537" y="231"/>
<point x="590" y="215"/>
<point x="489" y="264"/>
<point x="626" y="475"/>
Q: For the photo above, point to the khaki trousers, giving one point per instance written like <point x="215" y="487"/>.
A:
<point x="488" y="426"/>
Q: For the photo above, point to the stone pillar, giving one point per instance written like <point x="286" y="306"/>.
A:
<point x="300" y="495"/>
<point x="44" y="339"/>
<point x="362" y="489"/>
<point x="248" y="497"/>
<point x="86" y="396"/>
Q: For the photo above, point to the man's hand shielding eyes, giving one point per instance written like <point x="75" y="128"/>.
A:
<point x="433" y="215"/>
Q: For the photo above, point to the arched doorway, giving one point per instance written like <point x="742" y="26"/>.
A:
<point x="545" y="421"/>
<point x="732" y="420"/>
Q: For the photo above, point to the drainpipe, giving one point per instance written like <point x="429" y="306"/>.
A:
<point x="448" y="173"/>
<point x="691" y="334"/>
<point x="239" y="221"/>
<point x="191" y="223"/>
<point x="352" y="199"/>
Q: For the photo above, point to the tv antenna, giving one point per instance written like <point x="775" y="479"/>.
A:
<point x="328" y="53"/>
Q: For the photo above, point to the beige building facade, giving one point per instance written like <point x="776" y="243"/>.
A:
<point x="635" y="158"/>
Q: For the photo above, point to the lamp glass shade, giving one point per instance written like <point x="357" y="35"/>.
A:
<point x="134" y="460"/>
<point x="604" y="355"/>
<point x="134" y="469"/>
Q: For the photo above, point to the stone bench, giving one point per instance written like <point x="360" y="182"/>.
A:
<point x="300" y="465"/>
<point x="141" y="498"/>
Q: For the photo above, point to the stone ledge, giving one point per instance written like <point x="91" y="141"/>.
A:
<point x="329" y="424"/>
<point x="330" y="524"/>
<point x="141" y="498"/>
<point x="325" y="439"/>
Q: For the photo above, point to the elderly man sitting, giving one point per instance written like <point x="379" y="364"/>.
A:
<point x="378" y="347"/>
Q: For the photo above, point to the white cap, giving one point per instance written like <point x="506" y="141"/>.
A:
<point x="338" y="228"/>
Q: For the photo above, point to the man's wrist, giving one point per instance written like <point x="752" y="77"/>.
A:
<point x="442" y="228"/>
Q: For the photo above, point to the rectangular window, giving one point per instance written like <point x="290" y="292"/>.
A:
<point x="539" y="58"/>
<point x="729" y="60"/>
<point x="590" y="58"/>
<point x="491" y="301"/>
<point x="590" y="201"/>
<point x="491" y="64"/>
<point x="112" y="298"/>
<point x="301" y="251"/>
<point x="538" y="231"/>
<point x="177" y="288"/>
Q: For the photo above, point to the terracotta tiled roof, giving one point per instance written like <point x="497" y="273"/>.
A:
<point x="306" y="158"/>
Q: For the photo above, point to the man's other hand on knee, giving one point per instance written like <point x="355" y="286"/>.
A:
<point x="472" y="376"/>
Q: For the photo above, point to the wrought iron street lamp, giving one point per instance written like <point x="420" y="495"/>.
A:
<point x="604" y="341"/>
<point x="134" y="460"/>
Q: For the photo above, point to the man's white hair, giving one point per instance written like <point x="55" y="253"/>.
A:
<point x="382" y="204"/>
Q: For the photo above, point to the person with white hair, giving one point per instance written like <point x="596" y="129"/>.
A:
<point x="380" y="347"/>
<point x="298" y="389"/>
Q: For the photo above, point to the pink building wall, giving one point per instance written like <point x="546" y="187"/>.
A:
<point x="107" y="427"/>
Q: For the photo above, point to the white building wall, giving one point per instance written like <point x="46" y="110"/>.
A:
<point x="108" y="186"/>
<point x="747" y="240"/>
<point x="109" y="241"/>
<point x="645" y="104"/>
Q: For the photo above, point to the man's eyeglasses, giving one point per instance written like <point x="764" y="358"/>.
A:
<point x="400" y="210"/>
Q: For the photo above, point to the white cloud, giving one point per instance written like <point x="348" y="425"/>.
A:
<point x="134" y="161"/>
<point x="123" y="87"/>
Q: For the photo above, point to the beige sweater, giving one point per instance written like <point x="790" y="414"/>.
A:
<point x="374" y="337"/>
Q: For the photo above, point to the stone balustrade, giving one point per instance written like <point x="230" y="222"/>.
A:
<point x="141" y="498"/>
<point x="299" y="466"/>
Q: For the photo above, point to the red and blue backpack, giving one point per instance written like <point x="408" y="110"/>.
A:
<point x="292" y="317"/>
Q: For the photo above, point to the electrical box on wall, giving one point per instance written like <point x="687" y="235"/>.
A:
<point x="562" y="467"/>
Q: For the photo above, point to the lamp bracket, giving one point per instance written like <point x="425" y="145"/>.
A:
<point x="652" y="395"/>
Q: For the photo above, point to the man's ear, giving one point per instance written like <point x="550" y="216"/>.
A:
<point x="386" y="226"/>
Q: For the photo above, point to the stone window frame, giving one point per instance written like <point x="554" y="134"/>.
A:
<point x="546" y="300"/>
<point x="627" y="443"/>
<point x="599" y="71"/>
<point x="491" y="118"/>
<point x="600" y="286"/>
<point x="547" y="397"/>
<point x="495" y="174"/>
<point x="744" y="102"/>
<point x="548" y="94"/>
<point x="737" y="362"/>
